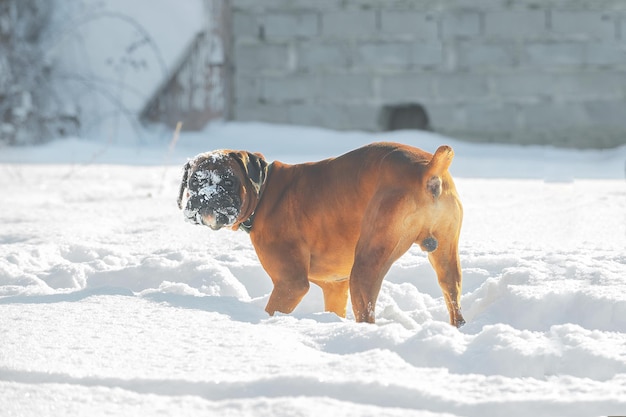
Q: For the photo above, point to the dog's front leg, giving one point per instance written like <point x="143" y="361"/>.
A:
<point x="286" y="295"/>
<point x="287" y="266"/>
<point x="335" y="296"/>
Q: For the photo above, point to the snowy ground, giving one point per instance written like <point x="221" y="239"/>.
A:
<point x="111" y="304"/>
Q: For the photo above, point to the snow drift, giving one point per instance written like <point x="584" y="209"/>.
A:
<point x="111" y="304"/>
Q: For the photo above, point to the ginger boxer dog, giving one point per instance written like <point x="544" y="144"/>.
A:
<point x="339" y="223"/>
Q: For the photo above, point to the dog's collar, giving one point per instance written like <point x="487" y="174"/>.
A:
<point x="246" y="225"/>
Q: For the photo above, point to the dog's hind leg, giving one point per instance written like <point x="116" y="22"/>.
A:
<point x="384" y="238"/>
<point x="445" y="261"/>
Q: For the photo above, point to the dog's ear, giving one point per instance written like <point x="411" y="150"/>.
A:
<point x="257" y="170"/>
<point x="255" y="167"/>
<point x="183" y="184"/>
<point x="436" y="167"/>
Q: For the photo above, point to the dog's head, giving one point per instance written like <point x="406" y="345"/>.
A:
<point x="221" y="187"/>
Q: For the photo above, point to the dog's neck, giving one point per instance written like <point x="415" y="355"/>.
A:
<point x="246" y="225"/>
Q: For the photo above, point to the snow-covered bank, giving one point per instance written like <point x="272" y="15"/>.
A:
<point x="299" y="144"/>
<point x="111" y="304"/>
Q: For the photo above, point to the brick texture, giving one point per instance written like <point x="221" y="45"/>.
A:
<point x="550" y="72"/>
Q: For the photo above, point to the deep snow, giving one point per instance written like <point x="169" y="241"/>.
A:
<point x="110" y="303"/>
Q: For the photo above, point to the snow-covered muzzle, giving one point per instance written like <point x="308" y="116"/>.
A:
<point x="213" y="196"/>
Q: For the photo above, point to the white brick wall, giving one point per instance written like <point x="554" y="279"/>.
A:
<point x="348" y="24"/>
<point x="584" y="25"/>
<point x="527" y="71"/>
<point x="409" y="24"/>
<point x="291" y="25"/>
<point x="516" y="24"/>
<point x="461" y="23"/>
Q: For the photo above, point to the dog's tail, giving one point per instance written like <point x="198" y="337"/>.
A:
<point x="436" y="167"/>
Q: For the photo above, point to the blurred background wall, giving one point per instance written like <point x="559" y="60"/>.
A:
<point x="508" y="71"/>
<point x="523" y="71"/>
